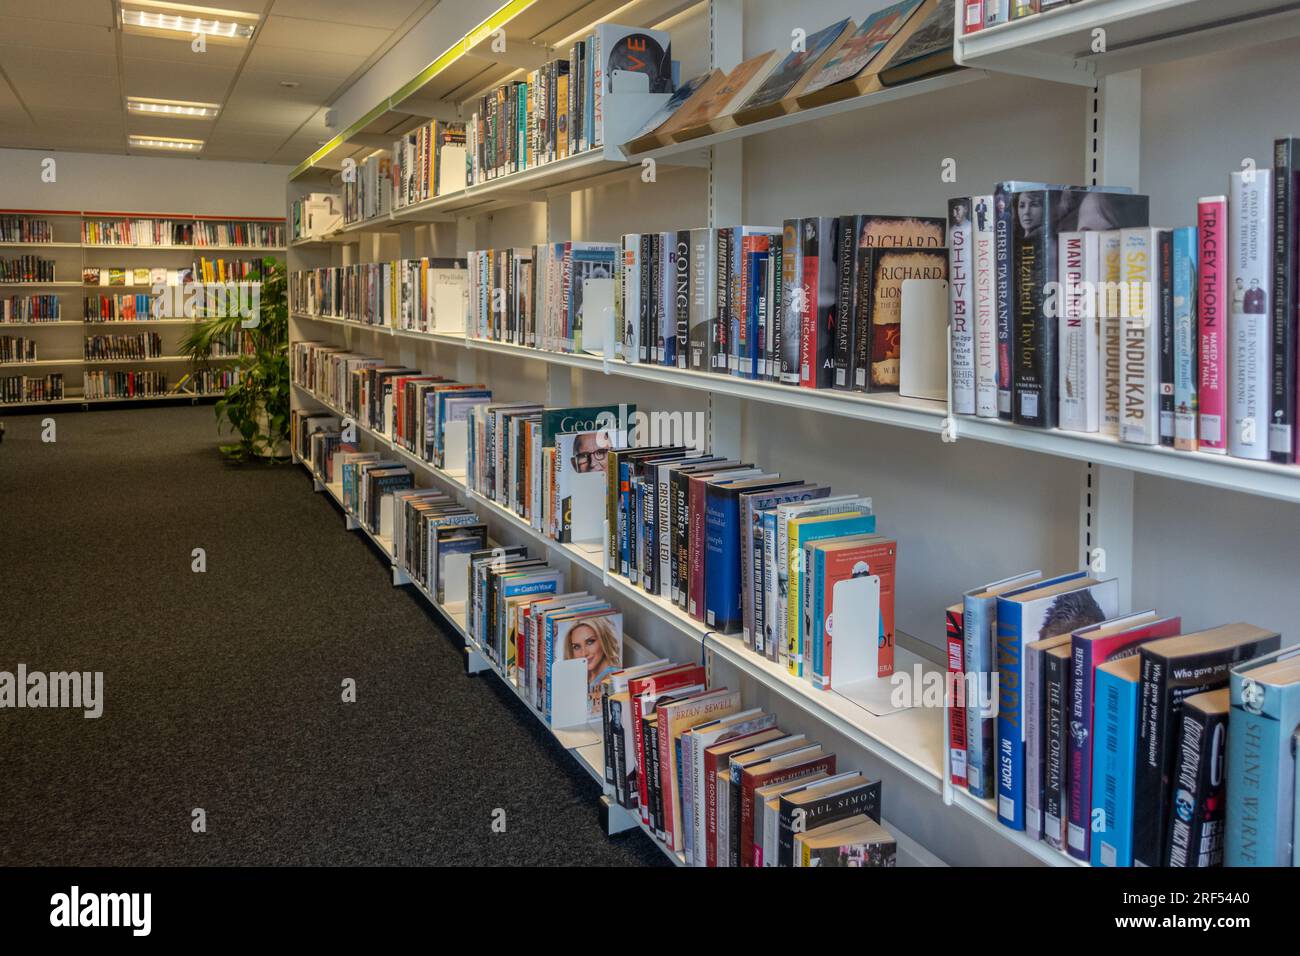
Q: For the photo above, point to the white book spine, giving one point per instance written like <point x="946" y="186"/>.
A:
<point x="1107" y="299"/>
<point x="986" y="319"/>
<point x="1250" y="244"/>
<point x="1078" y="340"/>
<point x="961" y="306"/>
<point x="1139" y="356"/>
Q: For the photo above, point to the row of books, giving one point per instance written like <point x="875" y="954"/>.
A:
<point x="558" y="110"/>
<point x="17" y="349"/>
<point x="724" y="784"/>
<point x="424" y="295"/>
<point x="209" y="381"/>
<point x="1069" y="311"/>
<point x="405" y="405"/>
<point x="428" y="161"/>
<point x="123" y="384"/>
<point x="25" y="229"/>
<point x="180" y="232"/>
<point x="204" y="270"/>
<point x="123" y="307"/>
<point x="30" y="308"/>
<point x="978" y="14"/>
<point x="817" y="302"/>
<point x="564" y="651"/>
<point x="231" y="344"/>
<point x="27" y="268"/>
<point x="143" y="345"/>
<point x="367" y="189"/>
<point x="901" y="42"/>
<point x="23" y="389"/>
<point x="1104" y="734"/>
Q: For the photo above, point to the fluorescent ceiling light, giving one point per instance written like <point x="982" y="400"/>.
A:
<point x="165" y="142"/>
<point x="168" y="19"/>
<point x="184" y="109"/>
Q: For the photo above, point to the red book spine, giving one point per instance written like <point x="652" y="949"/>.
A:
<point x="808" y="344"/>
<point x="1212" y="291"/>
<point x="973" y="18"/>
<point x="710" y="810"/>
<point x="695" y="524"/>
<point x="956" y="701"/>
<point x="751" y="782"/>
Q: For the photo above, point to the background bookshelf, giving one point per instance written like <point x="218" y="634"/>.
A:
<point x="1209" y="538"/>
<point x="62" y="344"/>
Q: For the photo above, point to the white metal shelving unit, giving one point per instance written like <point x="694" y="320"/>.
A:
<point x="999" y="497"/>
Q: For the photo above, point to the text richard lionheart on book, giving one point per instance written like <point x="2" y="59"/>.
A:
<point x="964" y="689"/>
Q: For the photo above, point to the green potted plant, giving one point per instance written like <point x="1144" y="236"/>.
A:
<point x="256" y="406"/>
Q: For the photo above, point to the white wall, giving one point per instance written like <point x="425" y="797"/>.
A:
<point x="99" y="181"/>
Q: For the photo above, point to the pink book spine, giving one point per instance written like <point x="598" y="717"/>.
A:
<point x="1212" y="282"/>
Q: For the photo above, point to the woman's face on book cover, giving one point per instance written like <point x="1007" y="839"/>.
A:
<point x="1029" y="208"/>
<point x="585" y="642"/>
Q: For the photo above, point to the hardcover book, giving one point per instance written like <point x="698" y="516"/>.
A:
<point x="961" y="294"/>
<point x="852" y="70"/>
<point x="1211" y="319"/>
<point x="956" y="706"/>
<point x="1114" y="760"/>
<point x="1196" y="825"/>
<point x="1250" y="340"/>
<point x="806" y="808"/>
<point x="780" y="91"/>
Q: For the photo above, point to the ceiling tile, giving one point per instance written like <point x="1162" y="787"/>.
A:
<point x="215" y="55"/>
<point x="63" y="36"/>
<point x="266" y="58"/>
<point x="307" y="90"/>
<point x="161" y="79"/>
<point x="66" y="90"/>
<point x="388" y="14"/>
<point x="321" y="36"/>
<point x="20" y="60"/>
<point x="93" y="12"/>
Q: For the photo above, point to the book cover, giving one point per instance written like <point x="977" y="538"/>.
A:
<point x="798" y="68"/>
<point x="1174" y="669"/>
<point x="634" y="60"/>
<point x="1265" y="712"/>
<point x="859" y="58"/>
<point x="856" y="842"/>
<point x="928" y="49"/>
<point x="961" y="295"/>
<point x="886" y="270"/>
<point x="807" y="808"/>
<point x="715" y="112"/>
<point x="842" y="560"/>
<point x="801" y="532"/>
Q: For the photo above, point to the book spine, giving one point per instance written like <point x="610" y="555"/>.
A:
<point x="1114" y="757"/>
<point x="956" y="705"/>
<point x="961" y="306"/>
<point x="1211" y="321"/>
<point x="985" y="322"/>
<point x="1037" y="722"/>
<point x="1055" y="792"/>
<point x="1165" y="304"/>
<point x="1079" y="749"/>
<point x="862" y="324"/>
<point x="810" y="344"/>
<point x="1281" y="428"/>
<point x="1250" y="338"/>
<point x="1255" y="818"/>
<point x="701" y="275"/>
<point x="1003" y="283"/>
<point x="788" y="348"/>
<point x="1148" y="811"/>
<point x="844" y="304"/>
<point x="1010" y="727"/>
<point x="721" y="337"/>
<point x="1196" y="825"/>
<point x="1185" y="371"/>
<point x="1035" y="377"/>
<point x="1139" y="374"/>
<point x="977" y="647"/>
<point x="1075" y="322"/>
<point x="972" y="16"/>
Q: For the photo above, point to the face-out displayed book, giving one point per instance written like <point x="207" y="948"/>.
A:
<point x="716" y="110"/>
<point x="780" y="91"/>
<point x="720" y="783"/>
<point x="854" y="68"/>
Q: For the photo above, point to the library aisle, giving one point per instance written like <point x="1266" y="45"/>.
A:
<point x="224" y="687"/>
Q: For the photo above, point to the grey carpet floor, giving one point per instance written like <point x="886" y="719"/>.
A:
<point x="223" y="689"/>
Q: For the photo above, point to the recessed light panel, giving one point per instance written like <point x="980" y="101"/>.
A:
<point x="181" y="109"/>
<point x="173" y="143"/>
<point x="156" y="18"/>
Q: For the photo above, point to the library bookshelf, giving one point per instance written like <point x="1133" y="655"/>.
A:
<point x="969" y="500"/>
<point x="61" y="343"/>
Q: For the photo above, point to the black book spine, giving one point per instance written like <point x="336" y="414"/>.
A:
<point x="649" y="529"/>
<point x="614" y="741"/>
<point x="776" y="308"/>
<point x="673" y="537"/>
<point x="844" y="304"/>
<point x="1165" y="276"/>
<point x="1034" y="352"/>
<point x="681" y="517"/>
<point x="655" y="791"/>
<point x="1196" y="825"/>
<point x="721" y="336"/>
<point x="1286" y="177"/>
<point x="1052" y="754"/>
<point x="1004" y="294"/>
<point x="682" y="297"/>
<point x="865" y="270"/>
<point x="1147" y="785"/>
<point x="643" y="302"/>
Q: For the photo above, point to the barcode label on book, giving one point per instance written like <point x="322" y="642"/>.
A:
<point x="803" y="370"/>
<point x="1076" y="836"/>
<point x="1006" y="808"/>
<point x="839" y="376"/>
<point x="973" y="775"/>
<point x="1029" y="404"/>
<point x="1279" y="438"/>
<point x="1108" y="854"/>
<point x="1211" y="428"/>
<point x="860" y="378"/>
<point x="973" y="18"/>
<point x="958" y="760"/>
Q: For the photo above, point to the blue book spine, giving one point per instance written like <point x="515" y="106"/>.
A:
<point x="549" y="642"/>
<point x="818" y="571"/>
<point x="623" y="502"/>
<point x="721" y="562"/>
<point x="977" y="640"/>
<point x="638" y="517"/>
<point x="1114" y="756"/>
<point x="1010" y="760"/>
<point x="733" y="319"/>
<point x="1260" y="778"/>
<point x="1185" y="338"/>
